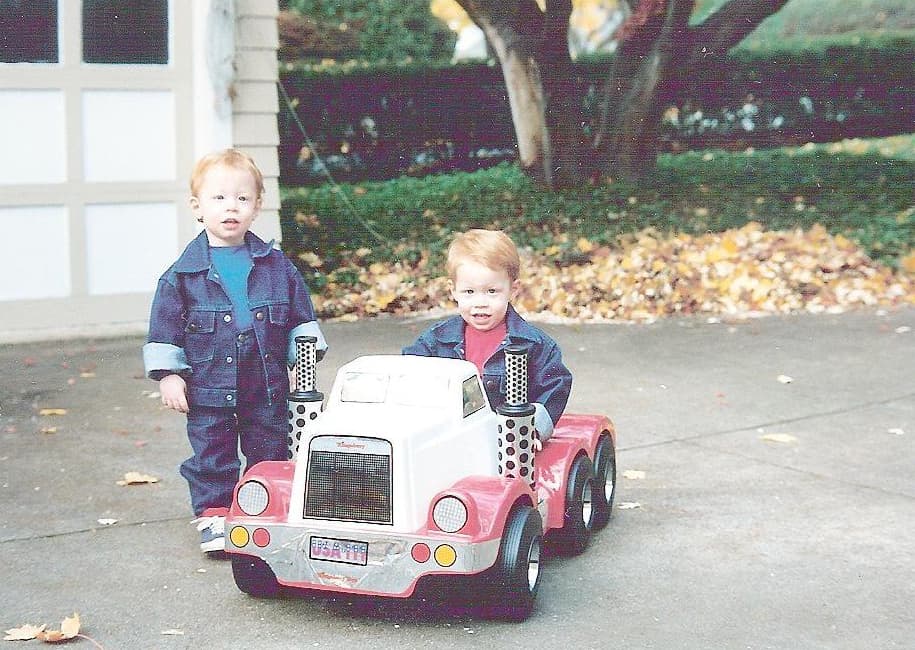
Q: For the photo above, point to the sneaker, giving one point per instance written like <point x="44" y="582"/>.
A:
<point x="212" y="526"/>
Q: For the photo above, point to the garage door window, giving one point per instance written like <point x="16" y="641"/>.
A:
<point x="125" y="31"/>
<point x="114" y="31"/>
<point x="28" y="31"/>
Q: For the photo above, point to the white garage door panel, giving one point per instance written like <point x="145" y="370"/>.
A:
<point x="129" y="135"/>
<point x="33" y="136"/>
<point x="36" y="259"/>
<point x="129" y="245"/>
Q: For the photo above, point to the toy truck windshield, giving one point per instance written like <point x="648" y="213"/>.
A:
<point x="404" y="389"/>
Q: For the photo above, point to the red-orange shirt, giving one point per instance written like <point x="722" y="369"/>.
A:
<point x="479" y="346"/>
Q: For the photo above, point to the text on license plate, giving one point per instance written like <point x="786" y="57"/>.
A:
<point x="339" y="550"/>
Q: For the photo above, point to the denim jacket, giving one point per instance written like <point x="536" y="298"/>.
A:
<point x="191" y="328"/>
<point x="549" y="381"/>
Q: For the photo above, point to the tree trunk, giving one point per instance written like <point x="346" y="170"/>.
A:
<point x="568" y="145"/>
<point x="659" y="59"/>
<point x="527" y="102"/>
<point x="531" y="48"/>
<point x="639" y="88"/>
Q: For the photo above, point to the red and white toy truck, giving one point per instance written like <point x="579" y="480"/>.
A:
<point x="408" y="475"/>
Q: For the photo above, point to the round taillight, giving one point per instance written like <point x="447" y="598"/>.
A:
<point x="420" y="552"/>
<point x="445" y="555"/>
<point x="239" y="536"/>
<point x="260" y="537"/>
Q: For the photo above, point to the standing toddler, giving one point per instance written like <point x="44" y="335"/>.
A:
<point x="221" y="333"/>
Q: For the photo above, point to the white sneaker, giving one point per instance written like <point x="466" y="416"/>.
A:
<point x="212" y="529"/>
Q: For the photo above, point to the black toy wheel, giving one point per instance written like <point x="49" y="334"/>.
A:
<point x="578" y="519"/>
<point x="254" y="576"/>
<point x="517" y="570"/>
<point x="604" y="481"/>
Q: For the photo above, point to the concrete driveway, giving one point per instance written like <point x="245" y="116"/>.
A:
<point x="770" y="513"/>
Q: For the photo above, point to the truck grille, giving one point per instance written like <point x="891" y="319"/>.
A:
<point x="348" y="486"/>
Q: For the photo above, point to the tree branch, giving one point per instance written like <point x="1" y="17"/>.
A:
<point x="554" y="37"/>
<point x="519" y="14"/>
<point x="729" y="25"/>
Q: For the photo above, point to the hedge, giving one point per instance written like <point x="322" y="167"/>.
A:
<point x="375" y="122"/>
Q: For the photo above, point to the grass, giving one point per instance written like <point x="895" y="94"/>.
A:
<point x="862" y="189"/>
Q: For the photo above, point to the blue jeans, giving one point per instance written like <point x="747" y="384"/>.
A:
<point x="216" y="433"/>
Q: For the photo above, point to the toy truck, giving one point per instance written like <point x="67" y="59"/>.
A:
<point x="407" y="475"/>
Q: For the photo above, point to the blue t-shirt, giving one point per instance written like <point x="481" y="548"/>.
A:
<point x="233" y="263"/>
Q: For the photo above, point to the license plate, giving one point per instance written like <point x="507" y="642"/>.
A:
<point x="346" y="551"/>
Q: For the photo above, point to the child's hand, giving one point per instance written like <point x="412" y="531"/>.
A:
<point x="537" y="444"/>
<point x="292" y="386"/>
<point x="173" y="389"/>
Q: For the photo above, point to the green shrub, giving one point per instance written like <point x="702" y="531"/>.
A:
<point x="386" y="30"/>
<point x="865" y="196"/>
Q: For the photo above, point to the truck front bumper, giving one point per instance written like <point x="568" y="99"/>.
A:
<point x="357" y="561"/>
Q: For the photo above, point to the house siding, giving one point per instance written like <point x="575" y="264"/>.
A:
<point x="255" y="102"/>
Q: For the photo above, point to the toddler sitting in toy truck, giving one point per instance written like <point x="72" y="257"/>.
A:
<point x="483" y="268"/>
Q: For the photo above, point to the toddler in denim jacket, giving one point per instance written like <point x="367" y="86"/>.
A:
<point x="221" y="338"/>
<point x="483" y="268"/>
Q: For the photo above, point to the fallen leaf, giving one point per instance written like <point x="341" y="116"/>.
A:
<point x="136" y="478"/>
<point x="644" y="276"/>
<point x="25" y="632"/>
<point x="629" y="505"/>
<point x="69" y="629"/>
<point x="908" y="263"/>
<point x="634" y="474"/>
<point x="87" y="375"/>
<point x="70" y="626"/>
<point x="52" y="412"/>
<point x="785" y="379"/>
<point x="782" y="438"/>
<point x="49" y="430"/>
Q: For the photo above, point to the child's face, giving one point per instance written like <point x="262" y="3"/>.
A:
<point x="227" y="203"/>
<point x="482" y="294"/>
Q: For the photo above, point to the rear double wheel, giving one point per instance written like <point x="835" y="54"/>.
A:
<point x="578" y="518"/>
<point x="604" y="481"/>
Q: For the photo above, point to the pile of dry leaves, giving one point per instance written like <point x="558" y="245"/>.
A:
<point x="744" y="272"/>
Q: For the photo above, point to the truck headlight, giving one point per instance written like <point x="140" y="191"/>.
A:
<point x="449" y="514"/>
<point x="252" y="498"/>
